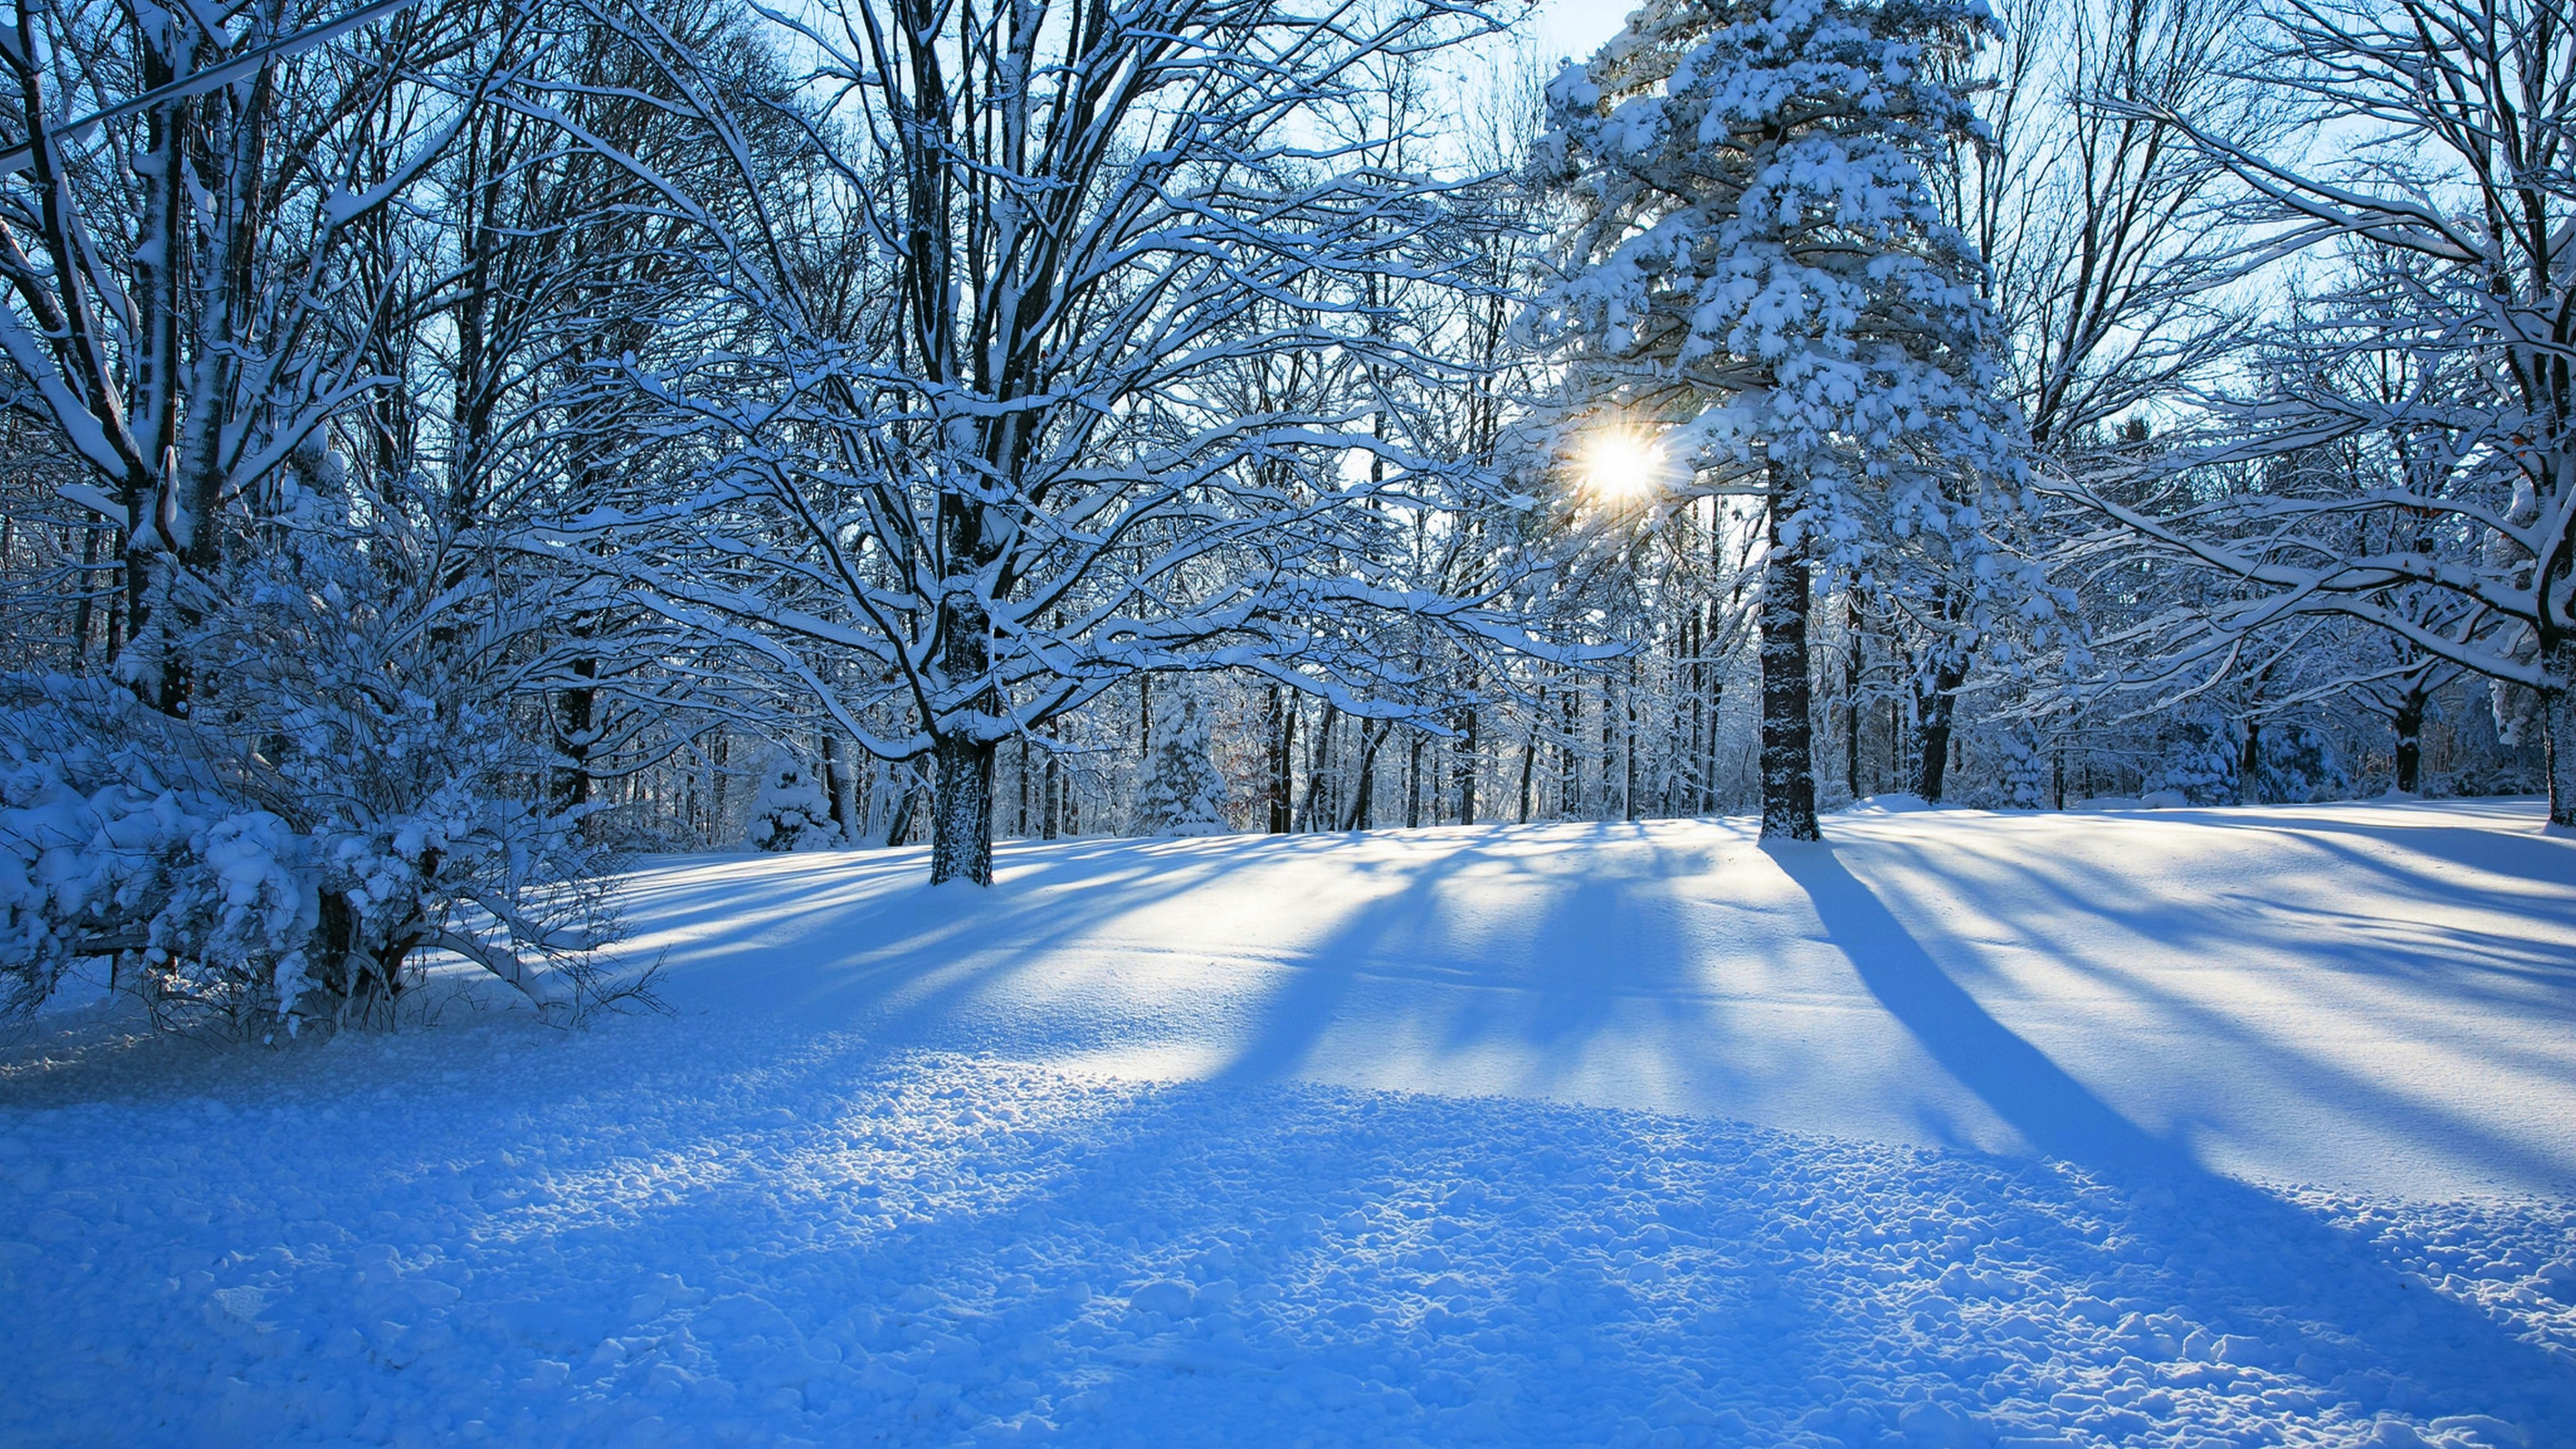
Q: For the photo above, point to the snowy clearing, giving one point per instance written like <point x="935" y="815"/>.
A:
<point x="2225" y="1126"/>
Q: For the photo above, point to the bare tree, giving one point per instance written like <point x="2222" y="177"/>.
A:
<point x="180" y="298"/>
<point x="2112" y="260"/>
<point x="2456" y="205"/>
<point x="1001" y="483"/>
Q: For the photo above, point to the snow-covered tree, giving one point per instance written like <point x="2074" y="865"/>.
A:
<point x="2454" y="213"/>
<point x="790" y="812"/>
<point x="179" y="279"/>
<point x="1183" y="792"/>
<point x="225" y="299"/>
<point x="1759" y="274"/>
<point x="977" y="462"/>
<point x="2199" y="761"/>
<point x="346" y="792"/>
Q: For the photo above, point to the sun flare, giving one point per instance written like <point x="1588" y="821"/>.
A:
<point x="1622" y="464"/>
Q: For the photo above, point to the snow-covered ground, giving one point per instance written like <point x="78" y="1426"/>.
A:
<point x="2242" y="1126"/>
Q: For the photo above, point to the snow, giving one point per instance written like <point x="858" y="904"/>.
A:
<point x="1899" y="803"/>
<point x="2184" y="1127"/>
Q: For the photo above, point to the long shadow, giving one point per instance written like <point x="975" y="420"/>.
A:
<point x="2539" y="859"/>
<point x="2063" y="1119"/>
<point x="1558" y="980"/>
<point x="1397" y="1255"/>
<point x="2051" y="1110"/>
<point x="1296" y="1017"/>
<point x="860" y="1258"/>
<point x="866" y="944"/>
<point x="2050" y="895"/>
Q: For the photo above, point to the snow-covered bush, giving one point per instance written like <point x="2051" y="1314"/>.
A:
<point x="2300" y="765"/>
<point x="2025" y="773"/>
<point x="791" y="812"/>
<point x="345" y="792"/>
<point x="97" y="852"/>
<point x="2199" y="762"/>
<point x="1183" y="791"/>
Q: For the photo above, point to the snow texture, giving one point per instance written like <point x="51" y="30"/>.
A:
<point x="1552" y="1135"/>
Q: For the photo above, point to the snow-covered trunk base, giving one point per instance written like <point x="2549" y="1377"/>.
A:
<point x="2558" y="732"/>
<point x="961" y="837"/>
<point x="1788" y="734"/>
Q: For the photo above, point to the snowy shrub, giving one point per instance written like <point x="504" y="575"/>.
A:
<point x="342" y="795"/>
<point x="2300" y="765"/>
<point x="92" y="843"/>
<point x="2027" y="774"/>
<point x="2199" y="762"/>
<point x="1183" y="791"/>
<point x="791" y="812"/>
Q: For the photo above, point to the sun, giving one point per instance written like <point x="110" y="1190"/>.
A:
<point x="1623" y="464"/>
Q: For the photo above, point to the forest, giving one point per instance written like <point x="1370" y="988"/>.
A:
<point x="454" y="446"/>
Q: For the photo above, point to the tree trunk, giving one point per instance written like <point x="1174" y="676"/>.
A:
<point x="1283" y="762"/>
<point x="1933" y="712"/>
<point x="1463" y="770"/>
<point x="86" y="605"/>
<point x="1935" y="709"/>
<point x="1529" y="751"/>
<point x="1413" y="779"/>
<point x="2249" y="765"/>
<point x="961" y="831"/>
<point x="1788" y="733"/>
<point x="900" y="825"/>
<point x="1569" y="770"/>
<point x="576" y="730"/>
<point x="1609" y="744"/>
<point x="1319" y="764"/>
<point x="1895" y="743"/>
<point x="2558" y="730"/>
<point x="1051" y="795"/>
<point x="961" y="836"/>
<point x="835" y="788"/>
<point x="1689" y="721"/>
<point x="1362" y="814"/>
<point x="1629" y="801"/>
<point x="1020" y="827"/>
<point x="1852" y="665"/>
<point x="2409" y="725"/>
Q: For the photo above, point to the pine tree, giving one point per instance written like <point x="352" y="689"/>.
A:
<point x="1183" y="792"/>
<point x="2200" y="763"/>
<point x="1758" y="270"/>
<point x="791" y="812"/>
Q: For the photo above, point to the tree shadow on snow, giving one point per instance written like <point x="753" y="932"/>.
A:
<point x="2501" y="972"/>
<point x="1374" y="1268"/>
<point x="2348" y="1315"/>
<point x="1600" y="961"/>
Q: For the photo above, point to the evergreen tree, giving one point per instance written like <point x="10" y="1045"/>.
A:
<point x="791" y="812"/>
<point x="1183" y="792"/>
<point x="2200" y="762"/>
<point x="1757" y="269"/>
